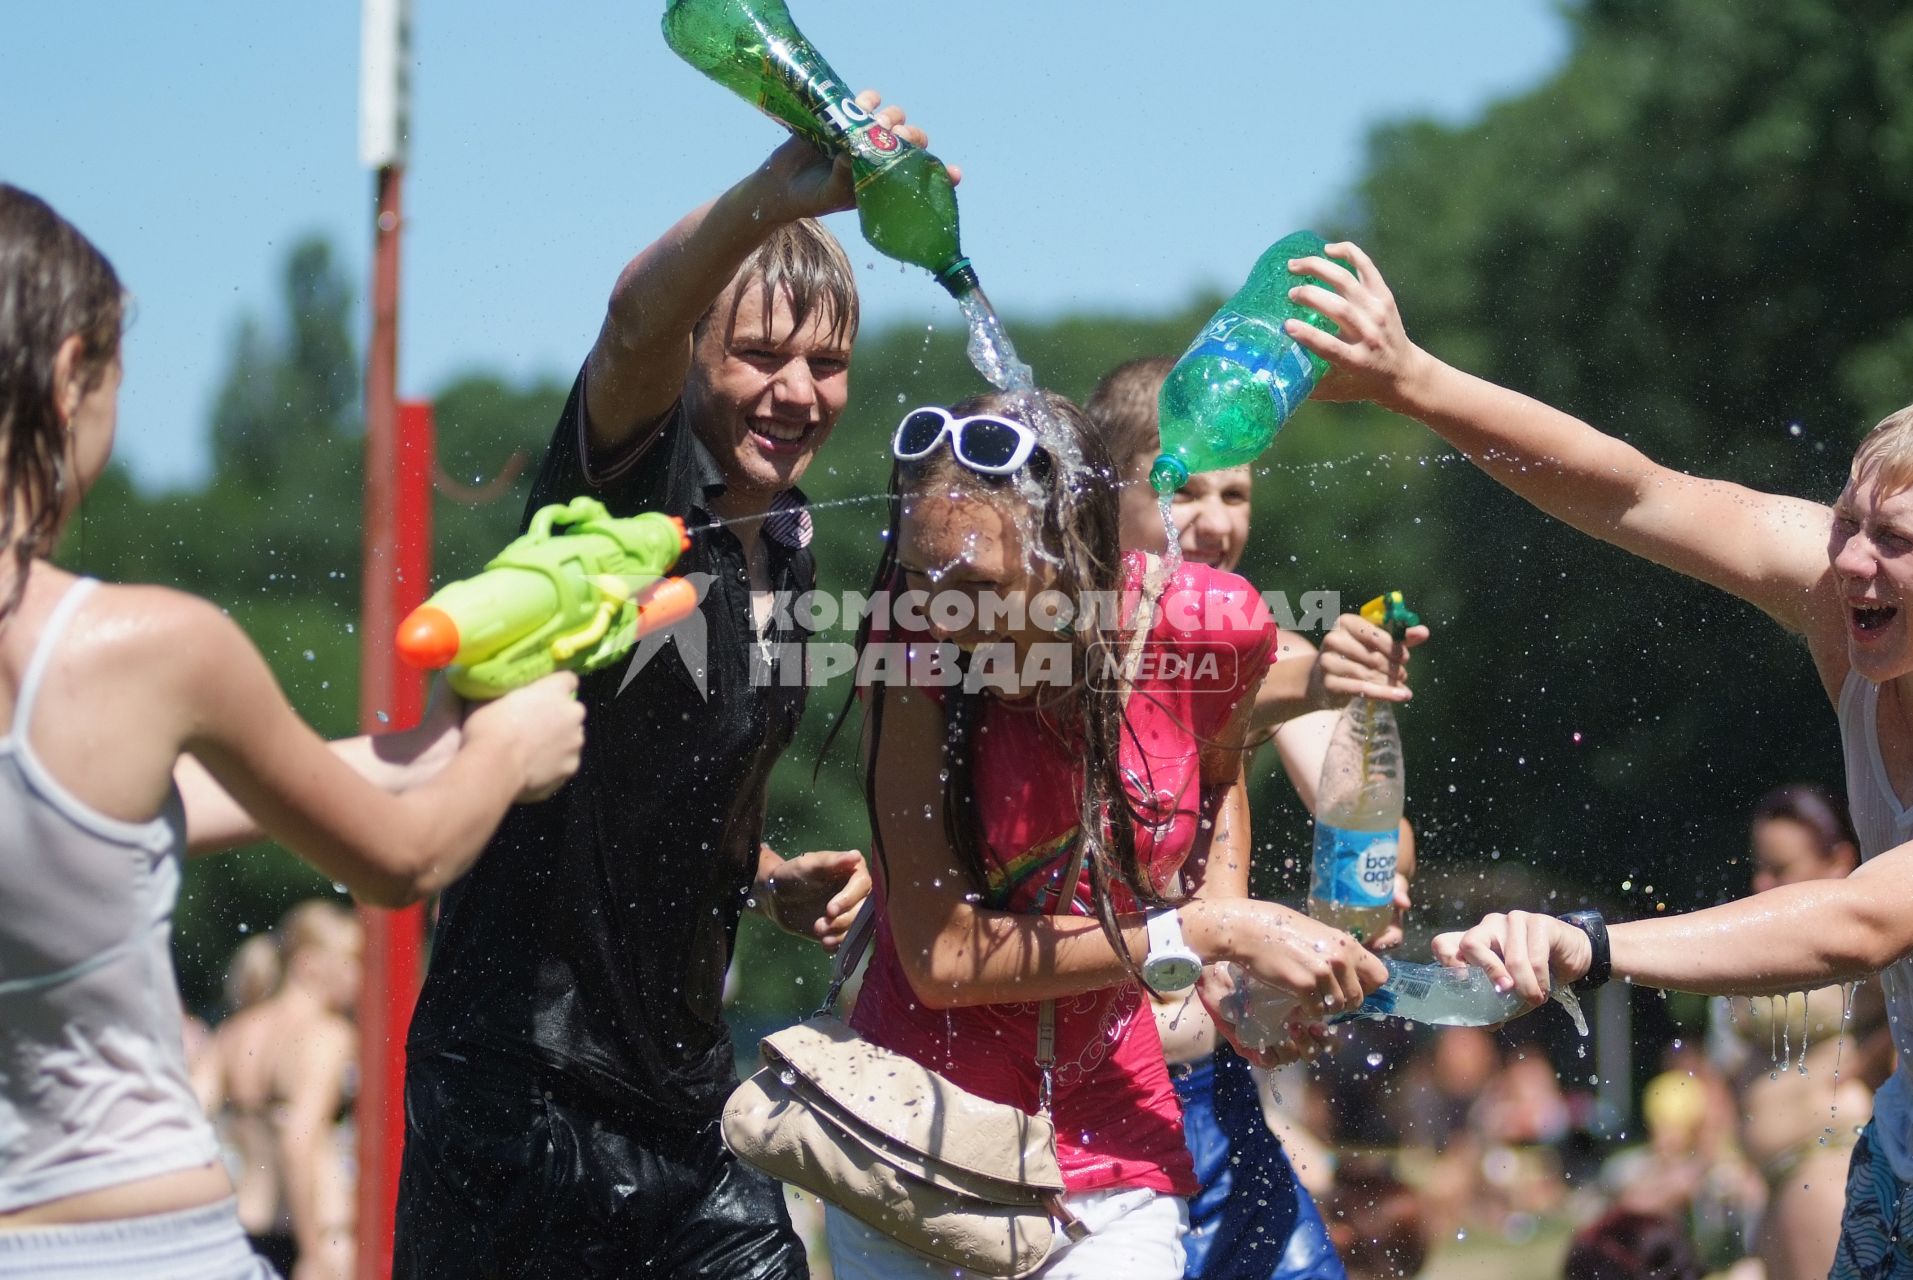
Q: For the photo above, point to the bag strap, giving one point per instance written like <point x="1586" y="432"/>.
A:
<point x="1046" y="1013"/>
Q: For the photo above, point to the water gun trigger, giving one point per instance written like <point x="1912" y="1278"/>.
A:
<point x="1390" y="612"/>
<point x="569" y="645"/>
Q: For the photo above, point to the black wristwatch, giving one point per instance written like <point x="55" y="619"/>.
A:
<point x="1601" y="965"/>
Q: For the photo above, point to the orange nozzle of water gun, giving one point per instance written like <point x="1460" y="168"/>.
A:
<point x="428" y="638"/>
<point x="665" y="603"/>
<point x="684" y="539"/>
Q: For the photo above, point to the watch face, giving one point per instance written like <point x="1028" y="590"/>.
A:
<point x="1172" y="973"/>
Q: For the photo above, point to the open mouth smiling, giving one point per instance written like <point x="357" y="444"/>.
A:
<point x="781" y="437"/>
<point x="1870" y="618"/>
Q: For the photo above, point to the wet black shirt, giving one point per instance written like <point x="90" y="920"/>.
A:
<point x="593" y="935"/>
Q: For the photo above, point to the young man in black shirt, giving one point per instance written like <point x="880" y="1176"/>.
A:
<point x="569" y="1057"/>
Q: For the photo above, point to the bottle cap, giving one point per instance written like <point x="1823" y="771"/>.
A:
<point x="959" y="278"/>
<point x="1168" y="473"/>
<point x="1389" y="610"/>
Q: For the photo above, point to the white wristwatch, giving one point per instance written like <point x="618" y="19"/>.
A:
<point x="1171" y="965"/>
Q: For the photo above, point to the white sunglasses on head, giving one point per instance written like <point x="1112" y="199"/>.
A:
<point x="982" y="442"/>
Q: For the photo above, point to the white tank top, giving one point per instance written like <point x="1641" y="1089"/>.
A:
<point x="93" y="1086"/>
<point x="1882" y="823"/>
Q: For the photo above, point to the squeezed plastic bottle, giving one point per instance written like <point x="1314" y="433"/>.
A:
<point x="1242" y="377"/>
<point x="1358" y="806"/>
<point x="1444" y="996"/>
<point x="1437" y="995"/>
<point x="905" y="201"/>
<point x="1256" y="1010"/>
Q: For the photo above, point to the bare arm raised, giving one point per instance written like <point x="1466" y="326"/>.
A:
<point x="638" y="364"/>
<point x="1767" y="549"/>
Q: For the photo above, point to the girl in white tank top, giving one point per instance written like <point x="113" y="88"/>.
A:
<point x="133" y="717"/>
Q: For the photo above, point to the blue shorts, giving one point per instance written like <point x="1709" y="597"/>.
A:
<point x="1251" y="1220"/>
<point x="1876" y="1227"/>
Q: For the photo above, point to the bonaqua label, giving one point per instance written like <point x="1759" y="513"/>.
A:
<point x="1355" y="867"/>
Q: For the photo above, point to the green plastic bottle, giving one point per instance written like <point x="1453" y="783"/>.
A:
<point x="1242" y="377"/>
<point x="905" y="201"/>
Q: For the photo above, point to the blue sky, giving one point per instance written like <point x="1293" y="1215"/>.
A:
<point x="1117" y="156"/>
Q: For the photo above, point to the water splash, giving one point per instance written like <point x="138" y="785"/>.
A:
<point x="994" y="356"/>
<point x="1839" y="1047"/>
<point x="1172" y="552"/>
<point x="990" y="348"/>
<point x="857" y="500"/>
<point x="1565" y="997"/>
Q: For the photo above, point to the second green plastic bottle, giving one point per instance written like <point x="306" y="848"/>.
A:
<point x="1243" y="376"/>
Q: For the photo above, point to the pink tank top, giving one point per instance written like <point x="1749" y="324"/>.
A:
<point x="1118" y="1123"/>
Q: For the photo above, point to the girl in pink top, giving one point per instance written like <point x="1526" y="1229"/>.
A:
<point x="994" y="744"/>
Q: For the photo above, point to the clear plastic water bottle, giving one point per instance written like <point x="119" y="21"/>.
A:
<point x="1243" y="376"/>
<point x="1437" y="995"/>
<point x="1445" y="996"/>
<point x="1358" y="806"/>
<point x="1257" y="1010"/>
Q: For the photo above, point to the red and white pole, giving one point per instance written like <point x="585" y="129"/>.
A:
<point x="397" y="568"/>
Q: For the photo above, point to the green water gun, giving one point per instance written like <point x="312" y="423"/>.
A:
<point x="574" y="592"/>
<point x="1391" y="613"/>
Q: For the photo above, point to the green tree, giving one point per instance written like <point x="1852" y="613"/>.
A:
<point x="302" y="381"/>
<point x="1692" y="236"/>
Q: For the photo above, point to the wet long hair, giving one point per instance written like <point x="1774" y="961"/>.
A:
<point x="1076" y="531"/>
<point x="54" y="285"/>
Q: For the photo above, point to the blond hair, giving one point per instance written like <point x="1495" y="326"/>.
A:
<point x="1886" y="455"/>
<point x="1123" y="407"/>
<point x="253" y="972"/>
<point x="805" y="263"/>
<point x="313" y="924"/>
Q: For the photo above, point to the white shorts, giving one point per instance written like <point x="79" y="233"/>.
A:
<point x="1133" y="1234"/>
<point x="194" y="1244"/>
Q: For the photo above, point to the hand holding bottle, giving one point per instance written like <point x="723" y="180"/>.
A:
<point x="1521" y="952"/>
<point x="1361" y="660"/>
<point x="904" y="196"/>
<point x="799" y="180"/>
<point x="1261" y="1023"/>
<point x="1326" y="969"/>
<point x="1370" y="356"/>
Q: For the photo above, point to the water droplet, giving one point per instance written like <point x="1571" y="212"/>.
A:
<point x="1374" y="1060"/>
